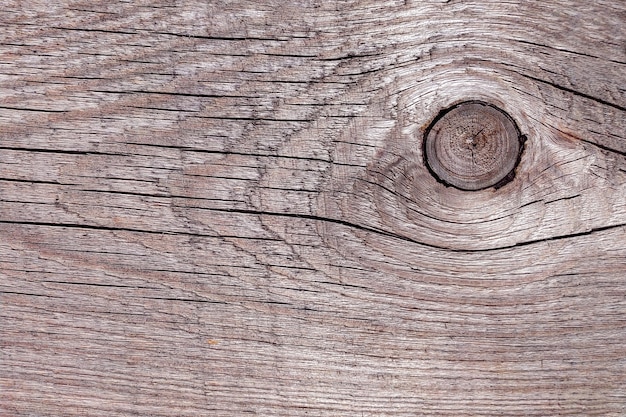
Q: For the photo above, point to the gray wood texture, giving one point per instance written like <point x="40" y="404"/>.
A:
<point x="221" y="208"/>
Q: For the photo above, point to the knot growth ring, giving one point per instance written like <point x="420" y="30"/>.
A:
<point x="472" y="146"/>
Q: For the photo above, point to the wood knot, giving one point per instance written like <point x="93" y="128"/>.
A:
<point x="473" y="146"/>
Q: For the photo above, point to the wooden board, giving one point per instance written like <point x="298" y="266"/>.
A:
<point x="222" y="208"/>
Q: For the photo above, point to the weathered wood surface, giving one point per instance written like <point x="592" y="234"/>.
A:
<point x="221" y="208"/>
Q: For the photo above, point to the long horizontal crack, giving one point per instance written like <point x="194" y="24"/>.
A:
<point x="320" y="219"/>
<point x="32" y="109"/>
<point x="408" y="239"/>
<point x="523" y="41"/>
<point x="572" y="91"/>
<point x="60" y="151"/>
<point x="127" y="229"/>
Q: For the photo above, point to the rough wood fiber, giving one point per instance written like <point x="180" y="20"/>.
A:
<point x="221" y="208"/>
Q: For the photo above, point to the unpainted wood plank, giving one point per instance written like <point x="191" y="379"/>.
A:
<point x="223" y="209"/>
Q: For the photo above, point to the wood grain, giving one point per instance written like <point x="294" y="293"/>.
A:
<point x="222" y="208"/>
